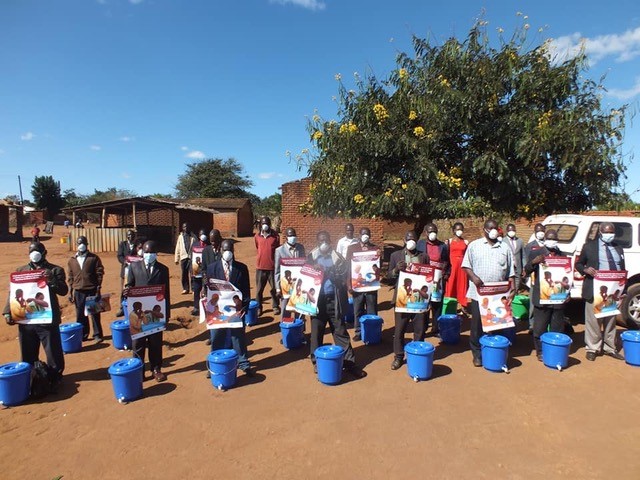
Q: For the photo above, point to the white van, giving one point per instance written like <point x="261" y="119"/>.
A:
<point x="575" y="230"/>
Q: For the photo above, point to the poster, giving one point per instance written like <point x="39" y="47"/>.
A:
<point x="222" y="306"/>
<point x="495" y="309"/>
<point x="289" y="274"/>
<point x="556" y="278"/>
<point x="196" y="261"/>
<point x="29" y="300"/>
<point x="128" y="261"/>
<point x="436" y="289"/>
<point x="413" y="290"/>
<point x="93" y="306"/>
<point x="608" y="286"/>
<point x="304" y="297"/>
<point x="365" y="271"/>
<point x="146" y="310"/>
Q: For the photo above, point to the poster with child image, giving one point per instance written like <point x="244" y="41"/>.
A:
<point x="222" y="306"/>
<point x="146" y="310"/>
<point x="436" y="289"/>
<point x="495" y="309"/>
<point x="289" y="274"/>
<point x="413" y="290"/>
<point x="555" y="275"/>
<point x="29" y="300"/>
<point x="97" y="304"/>
<point x="365" y="271"/>
<point x="608" y="286"/>
<point x="304" y="298"/>
<point x="196" y="261"/>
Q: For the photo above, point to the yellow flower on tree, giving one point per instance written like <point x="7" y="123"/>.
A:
<point x="388" y="193"/>
<point x="380" y="112"/>
<point x="348" y="128"/>
<point x="402" y="73"/>
<point x="413" y="115"/>
<point x="358" y="198"/>
<point x="419" y="132"/>
<point x="317" y="135"/>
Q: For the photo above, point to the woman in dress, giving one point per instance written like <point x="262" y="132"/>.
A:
<point x="458" y="282"/>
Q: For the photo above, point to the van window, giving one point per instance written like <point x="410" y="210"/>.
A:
<point x="565" y="232"/>
<point x="624" y="233"/>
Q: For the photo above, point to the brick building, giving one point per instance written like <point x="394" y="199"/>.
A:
<point x="11" y="222"/>
<point x="233" y="217"/>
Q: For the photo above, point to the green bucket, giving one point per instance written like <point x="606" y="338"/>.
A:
<point x="449" y="306"/>
<point x="520" y="307"/>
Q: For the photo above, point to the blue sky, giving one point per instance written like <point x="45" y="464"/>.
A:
<point x="124" y="93"/>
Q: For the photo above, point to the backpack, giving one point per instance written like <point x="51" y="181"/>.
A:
<point x="41" y="380"/>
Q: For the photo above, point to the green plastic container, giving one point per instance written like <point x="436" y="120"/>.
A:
<point x="449" y="306"/>
<point x="520" y="307"/>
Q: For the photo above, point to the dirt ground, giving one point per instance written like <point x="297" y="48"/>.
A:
<point x="464" y="422"/>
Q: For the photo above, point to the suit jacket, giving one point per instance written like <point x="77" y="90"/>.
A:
<point x="138" y="277"/>
<point x="518" y="254"/>
<point x="209" y="257"/>
<point x="123" y="252"/>
<point x="89" y="277"/>
<point x="283" y="251"/>
<point x="239" y="278"/>
<point x="589" y="258"/>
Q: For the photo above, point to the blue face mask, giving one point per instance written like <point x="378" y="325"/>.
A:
<point x="608" y="237"/>
<point x="150" y="258"/>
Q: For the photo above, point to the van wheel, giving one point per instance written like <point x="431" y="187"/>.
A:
<point x="631" y="304"/>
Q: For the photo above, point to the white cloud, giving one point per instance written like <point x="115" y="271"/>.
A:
<point x="268" y="175"/>
<point x="625" y="94"/>
<point x="308" y="4"/>
<point x="623" y="47"/>
<point x="184" y="149"/>
<point x="95" y="147"/>
<point x="27" y="136"/>
<point x="126" y="138"/>
<point x="196" y="155"/>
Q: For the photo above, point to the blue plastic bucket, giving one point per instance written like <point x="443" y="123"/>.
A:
<point x="329" y="360"/>
<point x="631" y="346"/>
<point x="251" y="318"/>
<point x="555" y="349"/>
<point x="449" y="328"/>
<point x="371" y="329"/>
<point x="126" y="378"/>
<point x="495" y="349"/>
<point x="223" y="366"/>
<point x="349" y="316"/>
<point x="121" y="335"/>
<point x="71" y="336"/>
<point x="15" y="383"/>
<point x="419" y="360"/>
<point x="508" y="333"/>
<point x="292" y="336"/>
<point x="124" y="309"/>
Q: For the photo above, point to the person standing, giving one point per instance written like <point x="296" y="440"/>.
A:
<point x="32" y="335"/>
<point x="345" y="242"/>
<point x="85" y="280"/>
<point x="266" y="242"/>
<point x="438" y="252"/>
<point x="602" y="253"/>
<point x="332" y="300"/>
<point x="197" y="270"/>
<point x="363" y="302"/>
<point x="544" y="315"/>
<point x="185" y="241"/>
<point x="126" y="248"/>
<point x="398" y="263"/>
<point x="236" y="273"/>
<point x="141" y="274"/>
<point x="517" y="248"/>
<point x="290" y="249"/>
<point x="536" y="244"/>
<point x="486" y="260"/>
<point x="458" y="282"/>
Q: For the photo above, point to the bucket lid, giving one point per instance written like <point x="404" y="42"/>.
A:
<point x="555" y="338"/>
<point x="494" y="341"/>
<point x="120" y="324"/>
<point x="253" y="304"/>
<point x="449" y="316"/>
<point x="329" y="352"/>
<point x="14" y="368"/>
<point x="631" y="335"/>
<point x="419" y="348"/>
<point x="70" y="326"/>
<point x="222" y="356"/>
<point x="297" y="323"/>
<point x="125" y="365"/>
<point x="370" y="318"/>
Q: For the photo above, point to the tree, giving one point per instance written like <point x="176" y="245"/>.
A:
<point x="270" y="206"/>
<point x="214" y="178"/>
<point x="462" y="129"/>
<point x="111" y="193"/>
<point x="46" y="195"/>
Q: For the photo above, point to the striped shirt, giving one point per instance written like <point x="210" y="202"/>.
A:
<point x="492" y="263"/>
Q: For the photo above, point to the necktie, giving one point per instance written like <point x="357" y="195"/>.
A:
<point x="226" y="270"/>
<point x="148" y="269"/>
<point x="612" y="262"/>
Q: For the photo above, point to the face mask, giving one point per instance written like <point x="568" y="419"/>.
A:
<point x="227" y="255"/>
<point x="364" y="238"/>
<point x="411" y="245"/>
<point x="82" y="248"/>
<point x="139" y="252"/>
<point x="607" y="237"/>
<point x="540" y="235"/>
<point x="35" y="256"/>
<point x="551" y="244"/>
<point x="203" y="238"/>
<point x="292" y="240"/>
<point x="265" y="227"/>
<point x="433" y="236"/>
<point x="150" y="258"/>
<point x="459" y="233"/>
<point x="511" y="233"/>
<point x="325" y="247"/>
<point x="499" y="238"/>
<point x="493" y="233"/>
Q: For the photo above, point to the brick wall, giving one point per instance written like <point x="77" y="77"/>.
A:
<point x="227" y="223"/>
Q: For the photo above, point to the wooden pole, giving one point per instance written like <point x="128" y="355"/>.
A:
<point x="135" y="223"/>
<point x="103" y="217"/>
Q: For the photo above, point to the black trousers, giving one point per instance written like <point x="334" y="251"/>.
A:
<point x="196" y="286"/>
<point x="262" y="277"/>
<point x="542" y="318"/>
<point x="31" y="336"/>
<point x="80" y="298"/>
<point x="364" y="303"/>
<point x="475" y="330"/>
<point x="154" y="343"/>
<point x="402" y="320"/>
<point x="327" y="313"/>
<point x="432" y="315"/>
<point x="185" y="268"/>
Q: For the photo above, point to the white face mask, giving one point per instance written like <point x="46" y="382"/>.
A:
<point x="139" y="252"/>
<point x="265" y="227"/>
<point x="493" y="234"/>
<point x="364" y="238"/>
<point x="511" y="233"/>
<point x="325" y="247"/>
<point x="203" y="238"/>
<point x="292" y="240"/>
<point x="551" y="244"/>
<point x="411" y="245"/>
<point x="540" y="236"/>
<point x="227" y="255"/>
<point x="459" y="233"/>
<point x="82" y="247"/>
<point x="35" y="256"/>
<point x="499" y="238"/>
<point x="150" y="258"/>
<point x="432" y="236"/>
<point x="607" y="237"/>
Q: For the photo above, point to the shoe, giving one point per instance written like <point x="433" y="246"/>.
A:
<point x="98" y="340"/>
<point x="315" y="368"/>
<point x="615" y="355"/>
<point x="249" y="372"/>
<point x="396" y="364"/>
<point x="357" y="338"/>
<point x="477" y="362"/>
<point x="159" y="376"/>
<point x="591" y="356"/>
<point x="208" y="342"/>
<point x="208" y="374"/>
<point x="539" y="357"/>
<point x="185" y="292"/>
<point x="276" y="311"/>
<point x="120" y="313"/>
<point x="355" y="370"/>
<point x="195" y="312"/>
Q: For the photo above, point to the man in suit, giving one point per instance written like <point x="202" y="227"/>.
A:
<point x="141" y="274"/>
<point x="85" y="280"/>
<point x="437" y="251"/>
<point x="125" y="248"/>
<point x="236" y="273"/>
<point x="517" y="247"/>
<point x="182" y="256"/>
<point x="602" y="253"/>
<point x="290" y="249"/>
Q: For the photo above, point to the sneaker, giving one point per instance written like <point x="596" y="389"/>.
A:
<point x="98" y="340"/>
<point x="249" y="372"/>
<point x="355" y="370"/>
<point x="185" y="292"/>
<point x="615" y="355"/>
<point x="539" y="356"/>
<point x="396" y="364"/>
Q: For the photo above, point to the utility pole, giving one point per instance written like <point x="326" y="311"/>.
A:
<point x="20" y="186"/>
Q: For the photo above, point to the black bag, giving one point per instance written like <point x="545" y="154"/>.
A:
<point x="41" y="382"/>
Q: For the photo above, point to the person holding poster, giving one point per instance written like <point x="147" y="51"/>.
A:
<point x="545" y="314"/>
<point x="267" y="241"/>
<point x="31" y="335"/>
<point x="211" y="253"/>
<point x="150" y="272"/>
<point x="285" y="281"/>
<point x="331" y="301"/>
<point x="197" y="269"/>
<point x="438" y="253"/>
<point x="597" y="255"/>
<point x="398" y="262"/>
<point x="365" y="300"/>
<point x="536" y="244"/>
<point x="85" y="280"/>
<point x="486" y="260"/>
<point x="126" y="248"/>
<point x="236" y="273"/>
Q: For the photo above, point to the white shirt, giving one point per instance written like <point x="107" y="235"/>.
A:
<point x="343" y="245"/>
